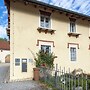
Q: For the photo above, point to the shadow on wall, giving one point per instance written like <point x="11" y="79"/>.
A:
<point x="7" y="58"/>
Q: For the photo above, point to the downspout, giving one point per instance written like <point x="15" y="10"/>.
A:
<point x="13" y="39"/>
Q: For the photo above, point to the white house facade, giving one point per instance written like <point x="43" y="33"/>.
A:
<point x="35" y="26"/>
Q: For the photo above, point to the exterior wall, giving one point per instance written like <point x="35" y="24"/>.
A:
<point x="3" y="54"/>
<point x="23" y="32"/>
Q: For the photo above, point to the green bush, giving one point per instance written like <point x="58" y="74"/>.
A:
<point x="45" y="59"/>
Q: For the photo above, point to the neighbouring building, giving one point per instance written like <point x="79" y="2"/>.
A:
<point x="4" y="51"/>
<point x="34" y="26"/>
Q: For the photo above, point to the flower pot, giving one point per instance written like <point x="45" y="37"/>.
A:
<point x="36" y="74"/>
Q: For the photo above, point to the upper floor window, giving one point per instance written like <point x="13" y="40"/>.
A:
<point x="72" y="25"/>
<point x="45" y="21"/>
<point x="46" y="48"/>
<point x="72" y="28"/>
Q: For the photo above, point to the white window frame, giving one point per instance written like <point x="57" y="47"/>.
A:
<point x="46" y="43"/>
<point x="73" y="30"/>
<point x="50" y="23"/>
<point x="17" y="61"/>
<point x="69" y="29"/>
<point x="73" y="46"/>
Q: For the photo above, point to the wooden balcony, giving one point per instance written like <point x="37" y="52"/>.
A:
<point x="46" y="30"/>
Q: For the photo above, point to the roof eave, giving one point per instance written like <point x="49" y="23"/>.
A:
<point x="58" y="8"/>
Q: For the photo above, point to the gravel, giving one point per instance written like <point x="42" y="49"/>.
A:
<point x="23" y="85"/>
<point x="20" y="85"/>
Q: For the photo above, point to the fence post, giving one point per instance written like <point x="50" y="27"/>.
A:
<point x="69" y="79"/>
<point x="78" y="81"/>
<point x="44" y="71"/>
<point x="56" y="76"/>
<point x="64" y="78"/>
<point x="72" y="82"/>
<point x="75" y="78"/>
<point x="82" y="80"/>
<point x="86" y="82"/>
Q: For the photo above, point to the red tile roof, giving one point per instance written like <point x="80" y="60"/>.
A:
<point x="4" y="45"/>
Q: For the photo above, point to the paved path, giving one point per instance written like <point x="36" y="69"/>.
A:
<point x="24" y="85"/>
<point x="4" y="71"/>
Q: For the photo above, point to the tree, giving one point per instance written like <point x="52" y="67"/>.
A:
<point x="3" y="39"/>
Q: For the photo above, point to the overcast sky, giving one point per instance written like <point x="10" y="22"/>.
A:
<point x="81" y="6"/>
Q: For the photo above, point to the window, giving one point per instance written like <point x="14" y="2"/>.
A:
<point x="72" y="28"/>
<point x="17" y="62"/>
<point x="73" y="53"/>
<point x="46" y="48"/>
<point x="45" y="19"/>
<point x="72" y="25"/>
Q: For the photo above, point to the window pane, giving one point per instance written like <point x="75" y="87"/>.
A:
<point x="73" y="53"/>
<point x="42" y="18"/>
<point x="46" y="48"/>
<point x="17" y="62"/>
<point x="72" y="27"/>
<point x="42" y="21"/>
<point x="42" y="24"/>
<point x="47" y="25"/>
<point x="45" y="21"/>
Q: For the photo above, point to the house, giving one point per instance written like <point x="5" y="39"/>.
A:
<point x="34" y="26"/>
<point x="4" y="51"/>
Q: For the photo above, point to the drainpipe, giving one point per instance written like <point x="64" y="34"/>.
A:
<point x="13" y="38"/>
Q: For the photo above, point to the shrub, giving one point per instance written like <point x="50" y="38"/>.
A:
<point x="45" y="59"/>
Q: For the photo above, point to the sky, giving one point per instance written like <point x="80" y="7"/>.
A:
<point x="3" y="20"/>
<point x="81" y="6"/>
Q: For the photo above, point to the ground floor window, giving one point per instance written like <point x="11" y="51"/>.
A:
<point x="46" y="48"/>
<point x="17" y="61"/>
<point x="73" y="53"/>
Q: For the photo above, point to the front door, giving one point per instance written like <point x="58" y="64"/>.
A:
<point x="24" y="65"/>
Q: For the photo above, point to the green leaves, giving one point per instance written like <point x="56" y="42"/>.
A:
<point x="44" y="59"/>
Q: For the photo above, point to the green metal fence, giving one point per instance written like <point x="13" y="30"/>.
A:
<point x="60" y="79"/>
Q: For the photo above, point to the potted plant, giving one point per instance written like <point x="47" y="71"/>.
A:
<point x="43" y="59"/>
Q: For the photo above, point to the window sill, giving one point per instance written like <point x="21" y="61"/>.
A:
<point x="73" y="34"/>
<point x="46" y="30"/>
